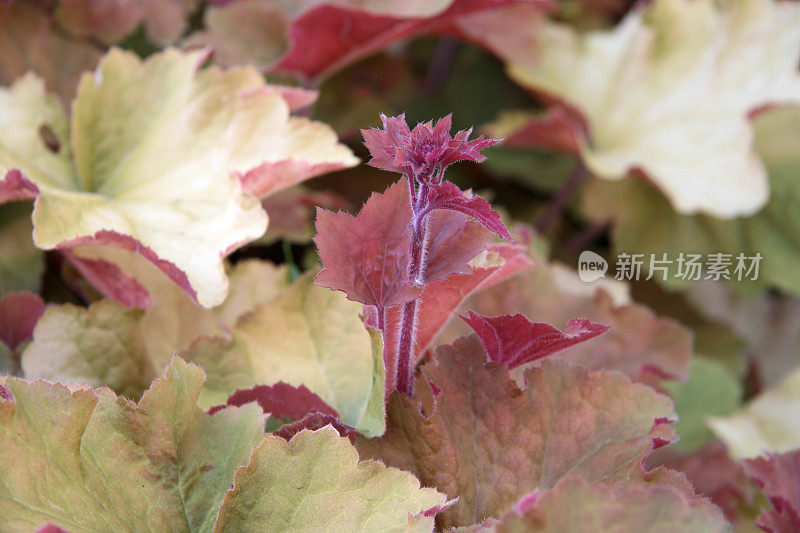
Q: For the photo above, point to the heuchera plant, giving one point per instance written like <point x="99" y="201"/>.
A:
<point x="401" y="242"/>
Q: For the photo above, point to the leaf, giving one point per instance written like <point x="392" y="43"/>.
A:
<point x="489" y="443"/>
<point x="778" y="477"/>
<point x="19" y="312"/>
<point x="173" y="320"/>
<point x="315" y="482"/>
<point x="112" y="20"/>
<point x="514" y="340"/>
<point x="643" y="222"/>
<point x="639" y="343"/>
<point x="453" y="241"/>
<point x="439" y="299"/>
<point x="125" y="350"/>
<point x="32" y="43"/>
<point x="712" y="473"/>
<point x="280" y="401"/>
<point x="88" y="460"/>
<point x="120" y="177"/>
<point x="577" y="506"/>
<point x="711" y="390"/>
<point x="448" y="196"/>
<point x="99" y="346"/>
<point x="367" y="257"/>
<point x="320" y="38"/>
<point x="306" y="336"/>
<point x="768" y="423"/>
<point x="698" y="69"/>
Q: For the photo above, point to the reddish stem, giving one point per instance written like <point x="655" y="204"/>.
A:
<point x="405" y="351"/>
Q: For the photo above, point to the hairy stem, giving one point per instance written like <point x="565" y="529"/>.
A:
<point x="405" y="366"/>
<point x="405" y="351"/>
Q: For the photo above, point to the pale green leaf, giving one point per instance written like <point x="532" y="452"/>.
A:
<point x="86" y="460"/>
<point x="711" y="390"/>
<point x="307" y="336"/>
<point x="316" y="483"/>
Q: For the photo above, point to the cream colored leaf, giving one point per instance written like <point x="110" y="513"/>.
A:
<point x="768" y="423"/>
<point x="150" y="160"/>
<point x="669" y="92"/>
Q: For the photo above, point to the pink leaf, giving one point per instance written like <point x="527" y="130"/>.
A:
<point x="367" y="257"/>
<point x="778" y="475"/>
<point x="269" y="178"/>
<point x="424" y="152"/>
<point x="453" y="242"/>
<point x="328" y="37"/>
<point x="515" y="340"/>
<point x="19" y="312"/>
<point x="111" y="281"/>
<point x="16" y="187"/>
<point x="439" y="299"/>
<point x="280" y="401"/>
<point x="448" y="196"/>
<point x="113" y="238"/>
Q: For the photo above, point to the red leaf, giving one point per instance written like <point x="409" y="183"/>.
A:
<point x="515" y="340"/>
<point x="424" y="152"/>
<point x="328" y="37"/>
<point x="314" y="421"/>
<point x="448" y="196"/>
<point x="280" y="401"/>
<point x="111" y="281"/>
<point x="453" y="242"/>
<point x="367" y="257"/>
<point x="439" y="299"/>
<point x="19" y="312"/>
<point x="778" y="475"/>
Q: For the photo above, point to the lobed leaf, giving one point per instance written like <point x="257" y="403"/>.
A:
<point x="514" y="340"/>
<point x="125" y="349"/>
<point x="306" y="336"/>
<point x="313" y="39"/>
<point x="639" y="343"/>
<point x="151" y="175"/>
<point x="577" y="506"/>
<point x="489" y="443"/>
<point x="698" y="69"/>
<point x="367" y="257"/>
<point x="314" y="482"/>
<point x="88" y="460"/>
<point x="644" y="222"/>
